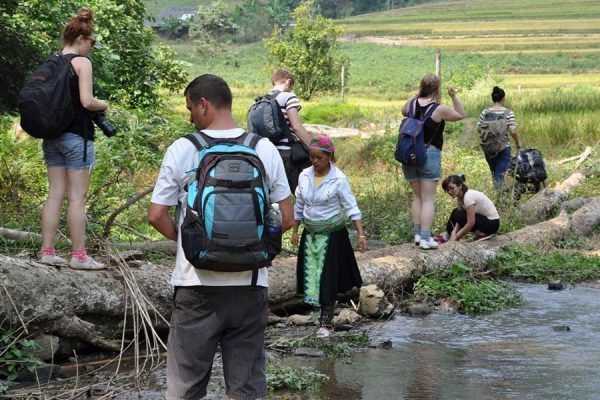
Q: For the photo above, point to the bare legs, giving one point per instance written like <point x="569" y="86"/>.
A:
<point x="423" y="209"/>
<point x="75" y="183"/>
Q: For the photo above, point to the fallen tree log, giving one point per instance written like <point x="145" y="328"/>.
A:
<point x="91" y="306"/>
<point x="538" y="207"/>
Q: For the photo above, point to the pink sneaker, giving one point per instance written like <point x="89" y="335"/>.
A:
<point x="440" y="239"/>
<point x="480" y="238"/>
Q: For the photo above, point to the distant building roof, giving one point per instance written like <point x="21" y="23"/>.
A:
<point x="183" y="13"/>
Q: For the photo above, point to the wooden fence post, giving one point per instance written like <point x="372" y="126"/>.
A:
<point x="343" y="80"/>
<point x="438" y="64"/>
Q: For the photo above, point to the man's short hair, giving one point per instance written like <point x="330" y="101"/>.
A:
<point x="282" y="75"/>
<point x="213" y="88"/>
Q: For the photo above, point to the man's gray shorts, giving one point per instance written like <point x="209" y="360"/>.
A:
<point x="204" y="317"/>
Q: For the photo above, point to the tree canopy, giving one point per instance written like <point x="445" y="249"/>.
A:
<point x="310" y="50"/>
<point x="127" y="67"/>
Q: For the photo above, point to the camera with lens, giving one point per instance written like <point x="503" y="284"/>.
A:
<point x="105" y="125"/>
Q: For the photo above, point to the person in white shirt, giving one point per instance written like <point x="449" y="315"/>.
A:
<point x="283" y="83"/>
<point x="326" y="264"/>
<point x="475" y="212"/>
<point x="214" y="308"/>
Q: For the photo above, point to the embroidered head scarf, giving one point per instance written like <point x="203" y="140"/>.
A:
<point x="322" y="142"/>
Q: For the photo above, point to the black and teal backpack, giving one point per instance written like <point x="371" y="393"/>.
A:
<point x="224" y="227"/>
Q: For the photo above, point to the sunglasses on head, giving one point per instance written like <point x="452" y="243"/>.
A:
<point x="92" y="40"/>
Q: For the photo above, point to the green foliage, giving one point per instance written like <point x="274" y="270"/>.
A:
<point x="16" y="354"/>
<point x="128" y="69"/>
<point x="294" y="379"/>
<point x="208" y="27"/>
<point x="256" y="19"/>
<point x="174" y="27"/>
<point x="461" y="283"/>
<point x="310" y="50"/>
<point x="527" y="263"/>
<point x="332" y="346"/>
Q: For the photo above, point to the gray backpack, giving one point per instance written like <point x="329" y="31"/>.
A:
<point x="493" y="132"/>
<point x="266" y="119"/>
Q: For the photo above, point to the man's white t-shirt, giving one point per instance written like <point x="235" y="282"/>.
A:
<point x="180" y="160"/>
<point x="483" y="205"/>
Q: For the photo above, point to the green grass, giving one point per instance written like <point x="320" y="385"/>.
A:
<point x="530" y="264"/>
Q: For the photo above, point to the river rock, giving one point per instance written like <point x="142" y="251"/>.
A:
<point x="556" y="285"/>
<point x="309" y="352"/>
<point x="41" y="373"/>
<point x="298" y="319"/>
<point x="561" y="328"/>
<point x="373" y="302"/>
<point x="419" y="309"/>
<point x="47" y="346"/>
<point x="346" y="317"/>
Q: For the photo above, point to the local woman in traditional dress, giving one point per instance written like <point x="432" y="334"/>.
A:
<point x="326" y="264"/>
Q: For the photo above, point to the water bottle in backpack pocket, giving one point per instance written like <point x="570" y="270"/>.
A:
<point x="410" y="147"/>
<point x="274" y="231"/>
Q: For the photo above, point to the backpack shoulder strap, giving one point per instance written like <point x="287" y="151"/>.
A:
<point x="412" y="107"/>
<point x="250" y="140"/>
<point x="432" y="107"/>
<point x="272" y="95"/>
<point x="198" y="140"/>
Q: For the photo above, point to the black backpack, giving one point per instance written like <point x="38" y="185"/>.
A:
<point x="45" y="103"/>
<point x="266" y="119"/>
<point x="528" y="166"/>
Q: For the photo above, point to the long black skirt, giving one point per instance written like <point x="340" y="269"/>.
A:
<point x="340" y="271"/>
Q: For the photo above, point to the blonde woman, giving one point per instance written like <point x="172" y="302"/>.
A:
<point x="424" y="179"/>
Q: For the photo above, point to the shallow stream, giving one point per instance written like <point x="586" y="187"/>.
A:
<point x="519" y="353"/>
<point x="524" y="352"/>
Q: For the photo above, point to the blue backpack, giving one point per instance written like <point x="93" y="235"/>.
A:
<point x="410" y="147"/>
<point x="224" y="227"/>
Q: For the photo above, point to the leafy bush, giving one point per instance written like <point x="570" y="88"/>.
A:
<point x="16" y="354"/>
<point x="294" y="379"/>
<point x="310" y="51"/>
<point x="127" y="67"/>
<point x="460" y="283"/>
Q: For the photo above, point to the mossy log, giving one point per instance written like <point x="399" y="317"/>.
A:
<point x="90" y="306"/>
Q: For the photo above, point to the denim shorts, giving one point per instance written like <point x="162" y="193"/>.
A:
<point x="431" y="171"/>
<point x="67" y="151"/>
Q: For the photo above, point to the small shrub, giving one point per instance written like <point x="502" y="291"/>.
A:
<point x="461" y="284"/>
<point x="16" y="354"/>
<point x="294" y="379"/>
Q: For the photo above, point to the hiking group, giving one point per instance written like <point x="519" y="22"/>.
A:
<point x="232" y="191"/>
<point x="235" y="202"/>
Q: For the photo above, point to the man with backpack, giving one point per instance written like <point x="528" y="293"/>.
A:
<point x="495" y="124"/>
<point x="223" y="302"/>
<point x="291" y="138"/>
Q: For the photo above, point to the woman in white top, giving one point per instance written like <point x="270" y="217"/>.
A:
<point x="326" y="264"/>
<point x="475" y="212"/>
